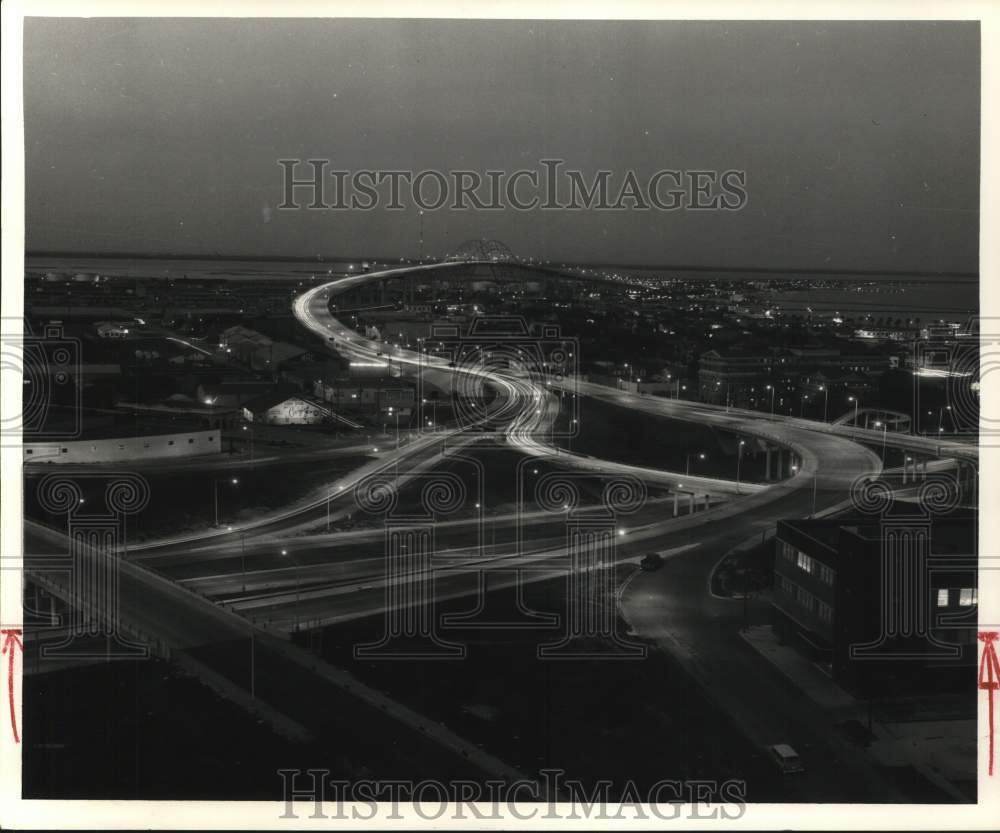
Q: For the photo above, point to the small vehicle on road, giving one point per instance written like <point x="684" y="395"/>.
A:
<point x="651" y="561"/>
<point x="785" y="758"/>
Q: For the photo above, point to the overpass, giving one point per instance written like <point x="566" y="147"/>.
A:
<point x="830" y="462"/>
<point x="830" y="467"/>
<point x="291" y="688"/>
<point x="355" y="586"/>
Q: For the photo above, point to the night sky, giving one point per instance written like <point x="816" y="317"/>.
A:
<point x="860" y="140"/>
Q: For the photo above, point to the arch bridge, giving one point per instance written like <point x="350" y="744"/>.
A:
<point x="485" y="260"/>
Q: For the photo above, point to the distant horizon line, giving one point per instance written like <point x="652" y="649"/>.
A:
<point x="603" y="265"/>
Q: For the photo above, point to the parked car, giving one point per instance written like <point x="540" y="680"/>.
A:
<point x="651" y="561"/>
<point x="785" y="758"/>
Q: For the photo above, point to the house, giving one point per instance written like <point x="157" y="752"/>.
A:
<point x="374" y="395"/>
<point x="112" y="329"/>
<point x="257" y="350"/>
<point x="287" y="409"/>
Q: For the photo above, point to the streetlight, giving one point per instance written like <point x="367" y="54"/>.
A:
<point x="251" y="440"/>
<point x="885" y="427"/>
<point x="243" y="555"/>
<point x="235" y="481"/>
<point x="826" y="393"/>
<point x="285" y="553"/>
<point x="739" y="459"/>
<point x="687" y="467"/>
<point x="941" y="411"/>
<point x="856" y="402"/>
<point x="772" y="389"/>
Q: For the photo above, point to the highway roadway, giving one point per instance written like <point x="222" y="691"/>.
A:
<point x="331" y="570"/>
<point x="830" y="466"/>
<point x="278" y="678"/>
<point x="526" y="409"/>
<point x="330" y="585"/>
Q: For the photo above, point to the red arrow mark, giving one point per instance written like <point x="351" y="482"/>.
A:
<point x="12" y="643"/>
<point x="989" y="677"/>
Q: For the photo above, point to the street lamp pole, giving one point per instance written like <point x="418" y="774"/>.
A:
<point x="297" y="587"/>
<point x="826" y="393"/>
<point x="746" y="596"/>
<point x="739" y="459"/>
<point x="687" y="460"/>
<point x="885" y="427"/>
<point x="215" y="491"/>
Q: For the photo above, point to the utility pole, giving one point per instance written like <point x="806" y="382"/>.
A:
<point x="253" y="664"/>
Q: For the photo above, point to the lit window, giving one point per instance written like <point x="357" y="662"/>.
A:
<point x="805" y="562"/>
<point x="968" y="596"/>
<point x="942" y="597"/>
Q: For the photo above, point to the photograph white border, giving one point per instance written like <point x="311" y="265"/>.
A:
<point x="17" y="813"/>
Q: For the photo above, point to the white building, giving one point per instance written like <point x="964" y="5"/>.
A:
<point x="113" y="449"/>
<point x="111" y="329"/>
<point x="285" y="409"/>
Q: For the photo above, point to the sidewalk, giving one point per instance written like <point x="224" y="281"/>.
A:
<point x="806" y="675"/>
<point x="943" y="751"/>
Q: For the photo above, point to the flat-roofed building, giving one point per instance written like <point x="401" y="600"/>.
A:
<point x="733" y="375"/>
<point x="142" y="446"/>
<point x="860" y="594"/>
